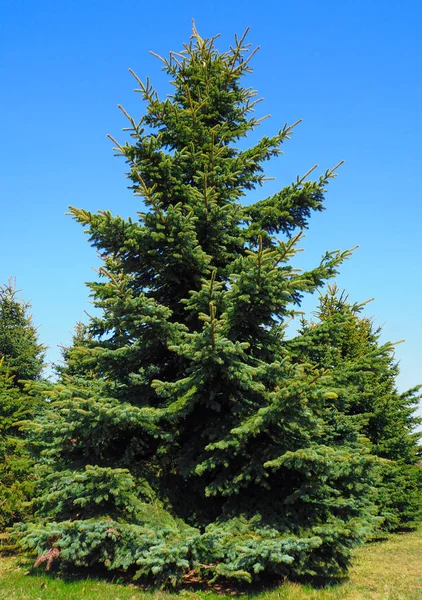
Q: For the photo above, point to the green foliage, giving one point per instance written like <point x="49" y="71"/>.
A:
<point x="364" y="372"/>
<point x="184" y="435"/>
<point x="14" y="463"/>
<point x="19" y="345"/>
<point x="21" y="356"/>
<point x="400" y="495"/>
<point x="391" y="568"/>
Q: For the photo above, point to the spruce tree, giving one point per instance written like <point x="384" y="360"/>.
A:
<point x="184" y="437"/>
<point x="21" y="357"/>
<point x="19" y="345"/>
<point x="16" y="484"/>
<point x="69" y="365"/>
<point x="364" y="371"/>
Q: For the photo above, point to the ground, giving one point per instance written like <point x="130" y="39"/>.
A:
<point x="388" y="569"/>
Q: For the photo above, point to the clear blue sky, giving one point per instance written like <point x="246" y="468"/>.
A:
<point x="350" y="70"/>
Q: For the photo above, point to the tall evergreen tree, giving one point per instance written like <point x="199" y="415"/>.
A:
<point x="364" y="371"/>
<point x="21" y="357"/>
<point x="184" y="436"/>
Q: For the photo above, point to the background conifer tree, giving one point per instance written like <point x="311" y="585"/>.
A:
<point x="184" y="434"/>
<point x="365" y="371"/>
<point x="21" y="357"/>
<point x="69" y="364"/>
<point x="19" y="345"/>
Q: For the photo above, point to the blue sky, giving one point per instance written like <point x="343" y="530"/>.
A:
<point x="350" y="70"/>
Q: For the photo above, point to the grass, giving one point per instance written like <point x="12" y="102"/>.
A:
<point x="385" y="570"/>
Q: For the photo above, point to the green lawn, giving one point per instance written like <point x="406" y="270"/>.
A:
<point x="386" y="570"/>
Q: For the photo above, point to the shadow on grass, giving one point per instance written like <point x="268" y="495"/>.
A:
<point x="319" y="583"/>
<point x="383" y="536"/>
<point x="192" y="584"/>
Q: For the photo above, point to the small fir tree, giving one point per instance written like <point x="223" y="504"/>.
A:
<point x="19" y="345"/>
<point x="21" y="357"/>
<point x="16" y="484"/>
<point x="365" y="371"/>
<point x="184" y="436"/>
<point x="70" y="365"/>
